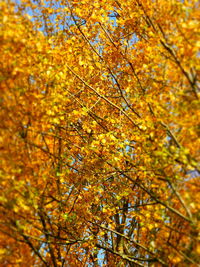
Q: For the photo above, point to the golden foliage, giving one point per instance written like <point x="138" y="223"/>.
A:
<point x="99" y="133"/>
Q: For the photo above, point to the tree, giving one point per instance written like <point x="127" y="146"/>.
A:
<point x="99" y="133"/>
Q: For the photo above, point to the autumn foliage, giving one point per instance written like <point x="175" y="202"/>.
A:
<point x="99" y="133"/>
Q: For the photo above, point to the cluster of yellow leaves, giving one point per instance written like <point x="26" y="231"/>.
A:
<point x="99" y="132"/>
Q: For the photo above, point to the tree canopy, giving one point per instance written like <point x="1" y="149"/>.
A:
<point x="99" y="123"/>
